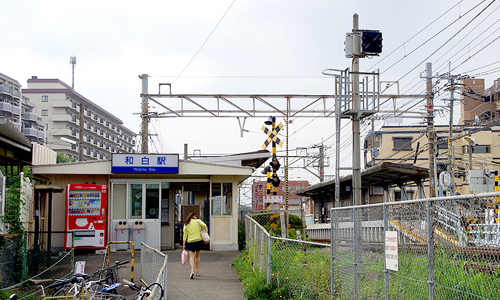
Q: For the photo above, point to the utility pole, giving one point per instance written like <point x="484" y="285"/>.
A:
<point x="431" y="134"/>
<point x="451" y="160"/>
<point x="144" y="114"/>
<point x="321" y="163"/>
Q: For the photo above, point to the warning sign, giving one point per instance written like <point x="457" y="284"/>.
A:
<point x="391" y="250"/>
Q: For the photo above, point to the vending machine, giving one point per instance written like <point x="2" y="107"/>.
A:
<point x="86" y="215"/>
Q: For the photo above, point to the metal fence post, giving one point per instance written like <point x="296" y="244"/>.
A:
<point x="386" y="272"/>
<point x="269" y="259"/>
<point x="355" y="239"/>
<point x="430" y="249"/>
<point x="333" y="252"/>
<point x="254" y="242"/>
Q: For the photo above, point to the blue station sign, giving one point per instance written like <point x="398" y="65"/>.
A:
<point x="145" y="163"/>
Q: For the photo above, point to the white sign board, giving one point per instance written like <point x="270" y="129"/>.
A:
<point x="391" y="250"/>
<point x="145" y="163"/>
<point x="273" y="199"/>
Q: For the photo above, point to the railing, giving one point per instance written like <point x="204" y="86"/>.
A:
<point x="440" y="250"/>
<point x="301" y="268"/>
<point x="154" y="269"/>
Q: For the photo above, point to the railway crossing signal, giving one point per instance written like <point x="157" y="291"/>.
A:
<point x="272" y="136"/>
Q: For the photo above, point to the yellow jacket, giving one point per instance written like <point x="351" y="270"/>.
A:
<point x="192" y="230"/>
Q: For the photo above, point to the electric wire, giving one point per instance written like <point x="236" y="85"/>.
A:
<point x="202" y="45"/>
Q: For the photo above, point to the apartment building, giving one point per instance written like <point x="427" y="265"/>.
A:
<point x="20" y="111"/>
<point x="259" y="190"/>
<point x="59" y="107"/>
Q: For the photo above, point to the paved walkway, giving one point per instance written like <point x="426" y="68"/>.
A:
<point x="218" y="279"/>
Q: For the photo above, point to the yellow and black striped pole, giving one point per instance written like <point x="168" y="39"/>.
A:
<point x="275" y="188"/>
<point x="268" y="188"/>
<point x="496" y="186"/>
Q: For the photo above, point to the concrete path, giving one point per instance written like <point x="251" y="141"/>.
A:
<point x="218" y="279"/>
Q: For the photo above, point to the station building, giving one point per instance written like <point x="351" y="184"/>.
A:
<point x="161" y="199"/>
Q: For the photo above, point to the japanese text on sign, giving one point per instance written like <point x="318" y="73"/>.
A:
<point x="391" y="250"/>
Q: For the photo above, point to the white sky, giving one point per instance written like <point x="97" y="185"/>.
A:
<point x="115" y="41"/>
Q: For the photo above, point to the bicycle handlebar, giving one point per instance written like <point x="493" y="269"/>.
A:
<point x="131" y="285"/>
<point x="119" y="263"/>
<point x="79" y="277"/>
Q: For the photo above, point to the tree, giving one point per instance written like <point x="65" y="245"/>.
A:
<point x="61" y="158"/>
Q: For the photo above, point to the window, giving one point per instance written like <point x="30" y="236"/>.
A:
<point x="45" y="98"/>
<point x="442" y="143"/>
<point x="402" y="143"/>
<point x="136" y="201"/>
<point x="408" y="195"/>
<point x="152" y="201"/>
<point x="481" y="149"/>
<point x="222" y="198"/>
<point x="45" y="112"/>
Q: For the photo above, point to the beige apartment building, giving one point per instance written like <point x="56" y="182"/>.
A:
<point x="59" y="107"/>
<point x="479" y="119"/>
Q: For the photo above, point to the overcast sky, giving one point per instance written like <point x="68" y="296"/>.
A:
<point x="259" y="47"/>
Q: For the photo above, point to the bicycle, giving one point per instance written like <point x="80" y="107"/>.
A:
<point x="110" y="273"/>
<point x="143" y="292"/>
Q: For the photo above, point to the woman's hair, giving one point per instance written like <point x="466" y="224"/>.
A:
<point x="189" y="217"/>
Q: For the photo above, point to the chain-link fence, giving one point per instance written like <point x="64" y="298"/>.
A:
<point x="299" y="268"/>
<point x="440" y="248"/>
<point x="11" y="259"/>
<point x="154" y="269"/>
<point x="35" y="256"/>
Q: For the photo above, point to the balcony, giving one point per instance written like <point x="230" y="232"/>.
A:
<point x="30" y="117"/>
<point x="28" y="103"/>
<point x="5" y="89"/>
<point x="61" y="132"/>
<point x="41" y="134"/>
<point x="61" y="103"/>
<point x="16" y="110"/>
<point x="61" y="118"/>
<point x="6" y="107"/>
<point x="60" y="146"/>
<point x="29" y="131"/>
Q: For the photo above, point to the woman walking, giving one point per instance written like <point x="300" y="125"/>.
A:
<point x="192" y="241"/>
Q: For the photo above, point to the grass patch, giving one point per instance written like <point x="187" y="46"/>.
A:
<point x="255" y="285"/>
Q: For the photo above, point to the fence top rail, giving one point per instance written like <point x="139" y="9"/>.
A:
<point x="458" y="197"/>
<point x="265" y="212"/>
<point x="153" y="249"/>
<point x="257" y="223"/>
<point x="300" y="241"/>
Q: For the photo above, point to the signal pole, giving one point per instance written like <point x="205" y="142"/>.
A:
<point x="356" y="105"/>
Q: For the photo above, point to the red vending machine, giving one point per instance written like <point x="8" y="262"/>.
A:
<point x="86" y="215"/>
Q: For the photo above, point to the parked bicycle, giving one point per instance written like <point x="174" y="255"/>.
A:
<point x="110" y="274"/>
<point x="143" y="292"/>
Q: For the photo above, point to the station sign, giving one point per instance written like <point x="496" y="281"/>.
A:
<point x="145" y="163"/>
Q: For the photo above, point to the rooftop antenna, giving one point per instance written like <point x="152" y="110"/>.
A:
<point x="72" y="61"/>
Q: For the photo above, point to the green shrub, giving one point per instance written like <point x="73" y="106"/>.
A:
<point x="254" y="285"/>
<point x="241" y="235"/>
